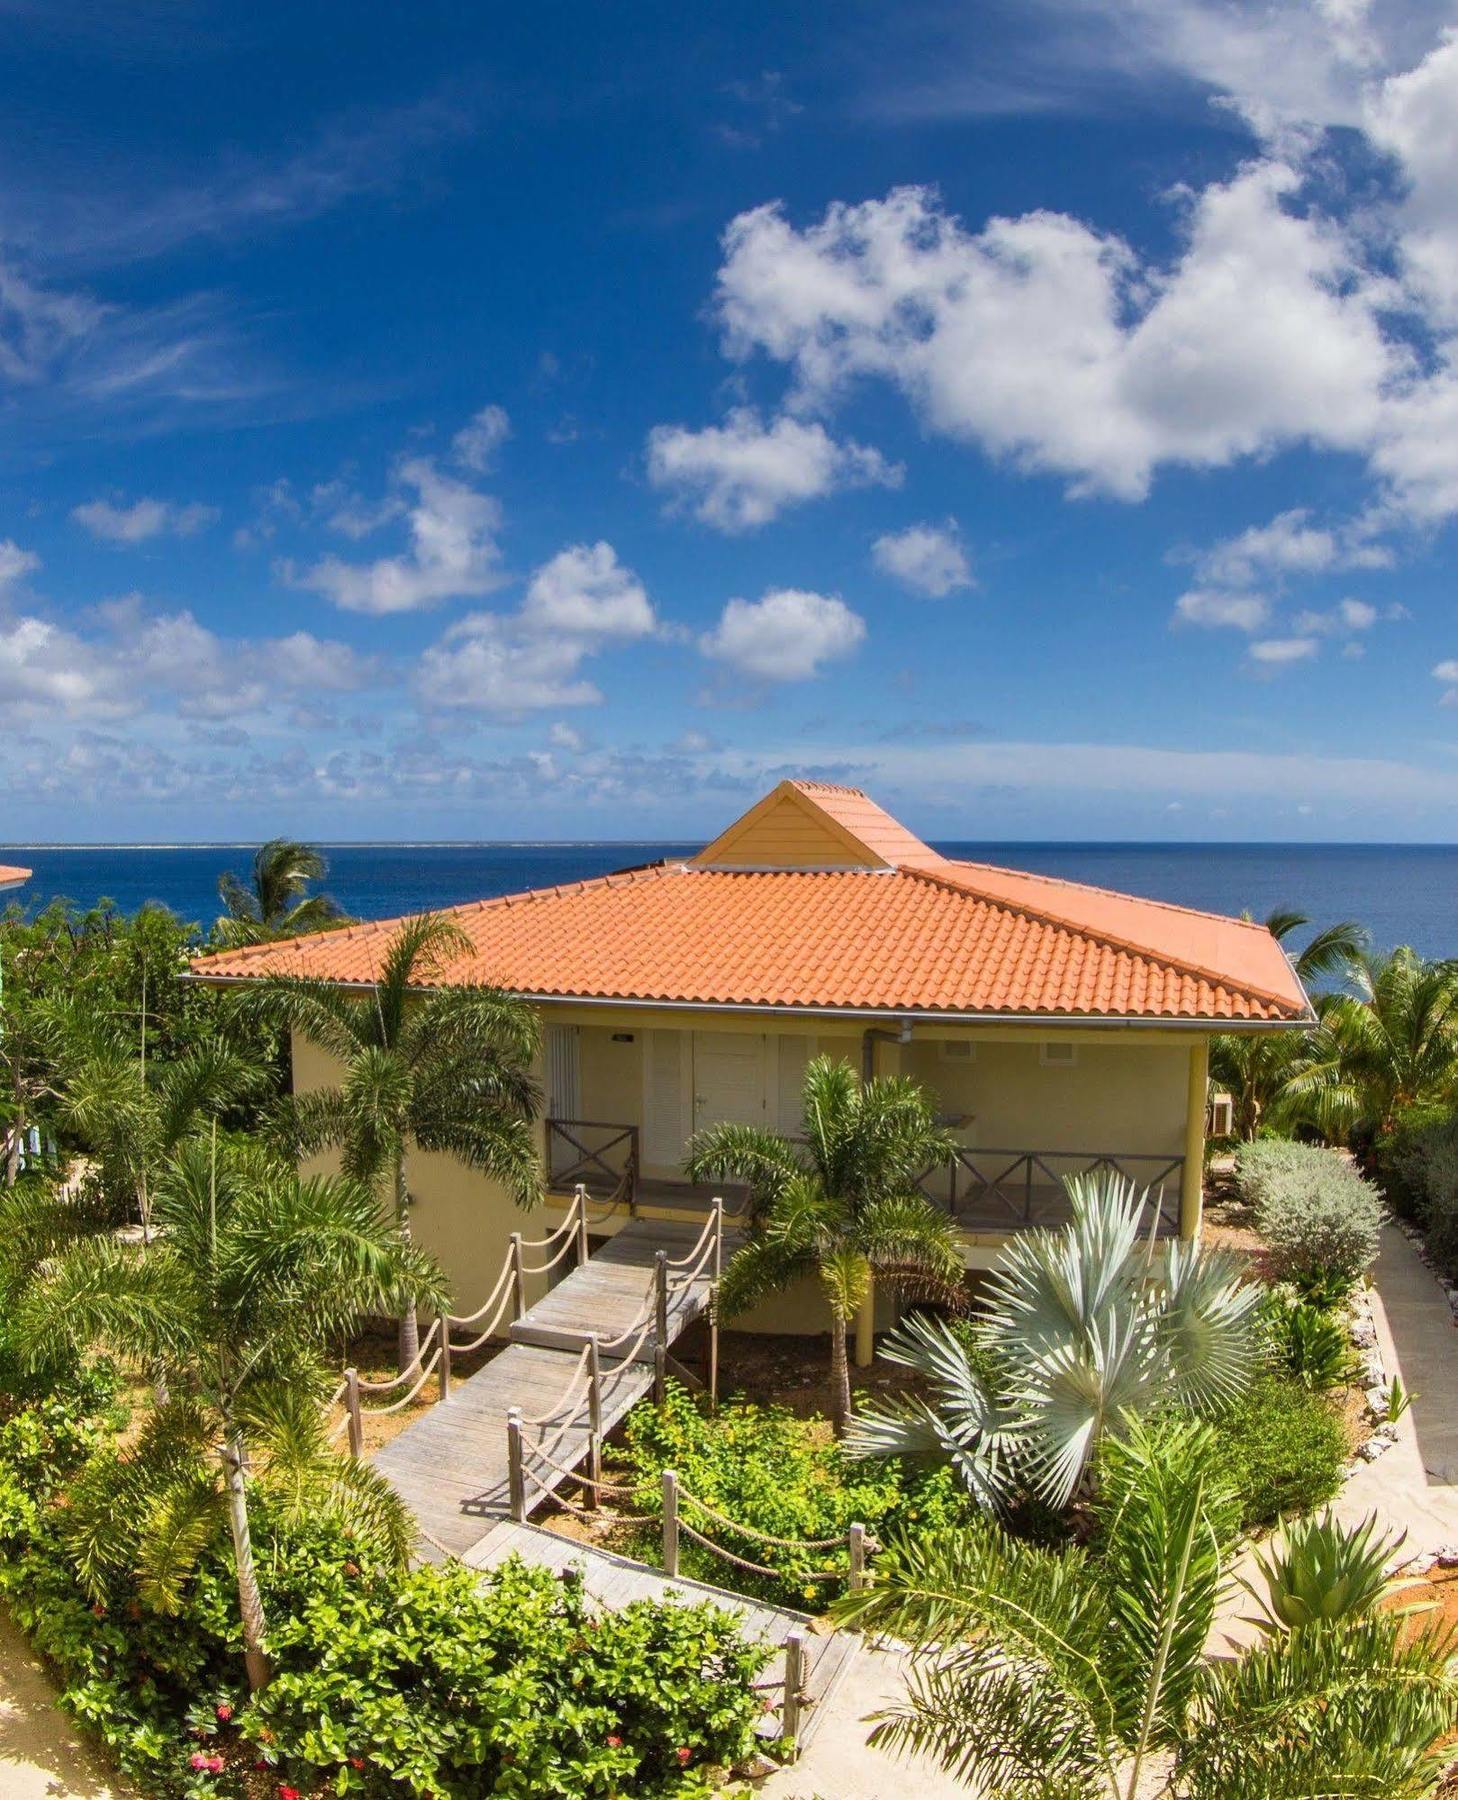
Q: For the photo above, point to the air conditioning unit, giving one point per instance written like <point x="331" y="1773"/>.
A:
<point x="1220" y="1116"/>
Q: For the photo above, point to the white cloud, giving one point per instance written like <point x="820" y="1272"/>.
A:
<point x="1211" y="606"/>
<point x="1274" y="653"/>
<point x="15" y="563"/>
<point x="1446" y="670"/>
<point x="744" y="473"/>
<point x="1290" y="545"/>
<point x="785" y="636"/>
<point x="143" y="519"/>
<point x="1051" y="344"/>
<point x="485" y="664"/>
<point x="584" y="592"/>
<point x="928" y="558"/>
<point x="510" y="664"/>
<point x="1346" y="615"/>
<point x="44" y="667"/>
<point x="566" y="737"/>
<point x="1413" y="115"/>
<point x="453" y="551"/>
<point x="477" y="442"/>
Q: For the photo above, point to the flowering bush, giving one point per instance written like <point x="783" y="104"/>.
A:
<point x="439" y="1682"/>
<point x="764" y="1467"/>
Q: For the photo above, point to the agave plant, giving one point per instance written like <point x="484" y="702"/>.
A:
<point x="1319" y="1571"/>
<point x="1082" y="1329"/>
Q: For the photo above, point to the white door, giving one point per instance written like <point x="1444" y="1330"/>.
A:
<point x="729" y="1079"/>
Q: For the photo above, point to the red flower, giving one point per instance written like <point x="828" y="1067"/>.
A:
<point x="614" y="1741"/>
<point x="356" y="1762"/>
<point x="684" y="1755"/>
<point x="287" y="1793"/>
<point x="99" y="1610"/>
<point x="215" y="1765"/>
<point x="225" y="1712"/>
<point x="197" y="1761"/>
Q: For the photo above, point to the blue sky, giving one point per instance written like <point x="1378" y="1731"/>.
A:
<point x="451" y="421"/>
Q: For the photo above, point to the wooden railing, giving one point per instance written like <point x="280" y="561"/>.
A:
<point x="1025" y="1187"/>
<point x="602" y="1157"/>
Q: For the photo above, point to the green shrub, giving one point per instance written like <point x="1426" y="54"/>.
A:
<point x="1320" y="1219"/>
<point x="1309" y="1343"/>
<point x="1417" y="1163"/>
<point x="763" y="1467"/>
<point x="439" y="1682"/>
<point x="1284" y="1449"/>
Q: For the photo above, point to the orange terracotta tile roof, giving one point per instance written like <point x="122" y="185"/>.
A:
<point x="921" y="935"/>
<point x="12" y="877"/>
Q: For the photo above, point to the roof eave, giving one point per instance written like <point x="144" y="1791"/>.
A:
<point x="920" y="1015"/>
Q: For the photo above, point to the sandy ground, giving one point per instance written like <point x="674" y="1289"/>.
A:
<point x="42" y="1753"/>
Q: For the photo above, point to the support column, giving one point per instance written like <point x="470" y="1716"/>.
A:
<point x="866" y="1327"/>
<point x="1192" y="1185"/>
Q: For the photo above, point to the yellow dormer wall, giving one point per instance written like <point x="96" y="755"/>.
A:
<point x="786" y="830"/>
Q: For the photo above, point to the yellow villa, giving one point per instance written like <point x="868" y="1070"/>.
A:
<point x="1057" y="1026"/>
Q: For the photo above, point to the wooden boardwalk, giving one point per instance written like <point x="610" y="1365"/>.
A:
<point x="616" y="1581"/>
<point x="450" y="1466"/>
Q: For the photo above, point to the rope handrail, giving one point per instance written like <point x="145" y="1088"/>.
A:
<point x="491" y="1300"/>
<point x="763" y="1537"/>
<point x="549" y="1416"/>
<point x="385" y="1387"/>
<point x="569" y="1223"/>
<point x="488" y="1332"/>
<point x="546" y="1267"/>
<point x="754" y="1568"/>
<point x="381" y="1412"/>
<point x="704" y="1237"/>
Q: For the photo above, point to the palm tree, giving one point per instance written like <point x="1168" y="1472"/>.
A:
<point x="842" y="1206"/>
<point x="446" y="1070"/>
<point x="1080" y="1675"/>
<point x="1390" y="1045"/>
<point x="1079" y="1334"/>
<point x="252" y="1275"/>
<point x="133" y="1114"/>
<point x="1258" y="1068"/>
<point x="275" y="902"/>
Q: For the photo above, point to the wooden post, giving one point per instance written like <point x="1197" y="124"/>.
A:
<point x="516" y="1469"/>
<point x="351" y="1406"/>
<point x="660" y="1374"/>
<point x="856" y="1544"/>
<point x="583" y="1251"/>
<point x="518" y="1276"/>
<point x="718" y="1268"/>
<point x="1192" y="1177"/>
<point x="794" y="1683"/>
<point x="445" y="1356"/>
<point x="660" y="1291"/>
<point x="594" y="1419"/>
<point x="670" y="1522"/>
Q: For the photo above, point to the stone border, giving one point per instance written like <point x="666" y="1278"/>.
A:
<point x="1375" y="1383"/>
<point x="1420" y="1245"/>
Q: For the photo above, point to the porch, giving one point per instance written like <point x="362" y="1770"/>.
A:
<point x="988" y="1191"/>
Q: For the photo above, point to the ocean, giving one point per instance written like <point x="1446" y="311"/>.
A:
<point x="1403" y="893"/>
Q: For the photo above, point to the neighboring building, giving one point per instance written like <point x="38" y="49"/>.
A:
<point x="11" y="877"/>
<point x="1056" y="1025"/>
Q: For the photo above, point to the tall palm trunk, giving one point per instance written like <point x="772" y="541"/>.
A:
<point x="250" y="1599"/>
<point x="408" y="1353"/>
<point x="840" y="1400"/>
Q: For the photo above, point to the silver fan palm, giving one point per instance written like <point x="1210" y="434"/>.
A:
<point x="1082" y="1328"/>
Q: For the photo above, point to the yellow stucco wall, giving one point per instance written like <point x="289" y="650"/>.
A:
<point x="1126" y="1092"/>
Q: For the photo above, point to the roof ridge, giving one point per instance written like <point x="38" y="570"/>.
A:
<point x="1112" y="939"/>
<point x="1092" y="887"/>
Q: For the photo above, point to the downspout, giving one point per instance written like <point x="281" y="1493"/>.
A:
<point x="866" y="1317"/>
<point x="902" y="1035"/>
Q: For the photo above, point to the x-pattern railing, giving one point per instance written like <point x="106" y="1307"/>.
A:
<point x="1027" y="1184"/>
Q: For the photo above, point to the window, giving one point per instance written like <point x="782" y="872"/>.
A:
<point x="1058" y="1056"/>
<point x="956" y="1049"/>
